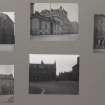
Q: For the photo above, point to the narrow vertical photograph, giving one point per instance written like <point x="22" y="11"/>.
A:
<point x="99" y="32"/>
<point x="7" y="30"/>
<point x="54" y="21"/>
<point x="54" y="74"/>
<point x="6" y="84"/>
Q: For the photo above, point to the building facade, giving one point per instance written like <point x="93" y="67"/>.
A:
<point x="99" y="31"/>
<point x="75" y="70"/>
<point x="42" y="72"/>
<point x="6" y="84"/>
<point x="6" y="30"/>
<point x="50" y="22"/>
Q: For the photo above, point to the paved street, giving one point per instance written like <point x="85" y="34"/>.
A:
<point x="71" y="37"/>
<point x="54" y="87"/>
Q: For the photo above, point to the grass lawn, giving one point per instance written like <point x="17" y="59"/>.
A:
<point x="55" y="87"/>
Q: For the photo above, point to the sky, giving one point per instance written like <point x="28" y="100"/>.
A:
<point x="7" y="69"/>
<point x="71" y="8"/>
<point x="63" y="62"/>
<point x="11" y="15"/>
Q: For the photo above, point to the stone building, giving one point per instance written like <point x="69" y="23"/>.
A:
<point x="6" y="84"/>
<point x="99" y="31"/>
<point x="42" y="72"/>
<point x="6" y="30"/>
<point x="51" y="22"/>
<point x="41" y="25"/>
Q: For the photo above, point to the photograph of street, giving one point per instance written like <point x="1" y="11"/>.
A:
<point x="54" y="74"/>
<point x="54" y="21"/>
<point x="6" y="83"/>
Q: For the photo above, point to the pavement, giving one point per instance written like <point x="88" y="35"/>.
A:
<point x="54" y="87"/>
<point x="71" y="37"/>
<point x="6" y="98"/>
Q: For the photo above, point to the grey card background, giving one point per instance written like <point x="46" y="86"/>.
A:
<point x="92" y="64"/>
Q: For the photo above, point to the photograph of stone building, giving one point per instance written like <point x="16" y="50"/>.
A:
<point x="99" y="31"/>
<point x="7" y="27"/>
<point x="6" y="83"/>
<point x="42" y="72"/>
<point x="53" y="74"/>
<point x="54" y="20"/>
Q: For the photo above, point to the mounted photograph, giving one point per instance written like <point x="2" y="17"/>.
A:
<point x="54" y="74"/>
<point x="54" y="21"/>
<point x="7" y="30"/>
<point x="99" y="32"/>
<point x="6" y="83"/>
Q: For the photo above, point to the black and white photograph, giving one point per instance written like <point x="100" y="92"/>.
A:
<point x="99" y="32"/>
<point x="6" y="83"/>
<point x="7" y="30"/>
<point x="54" y="21"/>
<point x="54" y="74"/>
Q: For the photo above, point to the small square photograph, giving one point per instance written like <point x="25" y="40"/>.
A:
<point x="99" y="32"/>
<point x="54" y="21"/>
<point x="54" y="74"/>
<point x="6" y="83"/>
<point x="7" y="30"/>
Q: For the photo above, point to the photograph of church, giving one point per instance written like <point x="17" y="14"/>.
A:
<point x="6" y="83"/>
<point x="99" y="31"/>
<point x="7" y="28"/>
<point x="53" y="74"/>
<point x="54" y="20"/>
